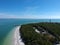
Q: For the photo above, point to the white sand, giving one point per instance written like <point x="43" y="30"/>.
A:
<point x="36" y="30"/>
<point x="17" y="38"/>
<point x="13" y="38"/>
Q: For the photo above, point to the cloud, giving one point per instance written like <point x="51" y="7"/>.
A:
<point x="31" y="16"/>
<point x="33" y="7"/>
<point x="20" y="16"/>
<point x="3" y="15"/>
<point x="7" y="16"/>
<point x="30" y="10"/>
<point x="29" y="0"/>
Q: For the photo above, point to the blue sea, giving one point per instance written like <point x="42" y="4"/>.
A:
<point x="6" y="25"/>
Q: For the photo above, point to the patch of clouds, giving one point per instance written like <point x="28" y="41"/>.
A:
<point x="29" y="0"/>
<point x="33" y="7"/>
<point x="31" y="16"/>
<point x="31" y="10"/>
<point x="27" y="16"/>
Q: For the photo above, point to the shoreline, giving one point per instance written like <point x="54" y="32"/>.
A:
<point x="17" y="38"/>
<point x="13" y="38"/>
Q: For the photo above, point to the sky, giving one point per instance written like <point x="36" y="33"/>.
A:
<point x="30" y="9"/>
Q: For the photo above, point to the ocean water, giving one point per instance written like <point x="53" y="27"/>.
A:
<point x="6" y="25"/>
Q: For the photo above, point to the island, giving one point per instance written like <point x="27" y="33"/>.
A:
<point x="40" y="33"/>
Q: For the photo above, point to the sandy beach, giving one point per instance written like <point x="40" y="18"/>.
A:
<point x="17" y="38"/>
<point x="13" y="37"/>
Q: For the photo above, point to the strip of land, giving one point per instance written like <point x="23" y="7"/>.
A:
<point x="41" y="33"/>
<point x="17" y="38"/>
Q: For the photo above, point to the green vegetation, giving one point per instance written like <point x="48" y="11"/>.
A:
<point x="30" y="37"/>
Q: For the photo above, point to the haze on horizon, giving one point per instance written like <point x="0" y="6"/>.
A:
<point x="30" y="9"/>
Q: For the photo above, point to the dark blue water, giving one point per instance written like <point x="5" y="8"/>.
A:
<point x="6" y="25"/>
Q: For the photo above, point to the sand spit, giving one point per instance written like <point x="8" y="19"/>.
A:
<point x="17" y="37"/>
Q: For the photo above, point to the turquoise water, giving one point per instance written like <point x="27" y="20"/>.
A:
<point x="6" y="25"/>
